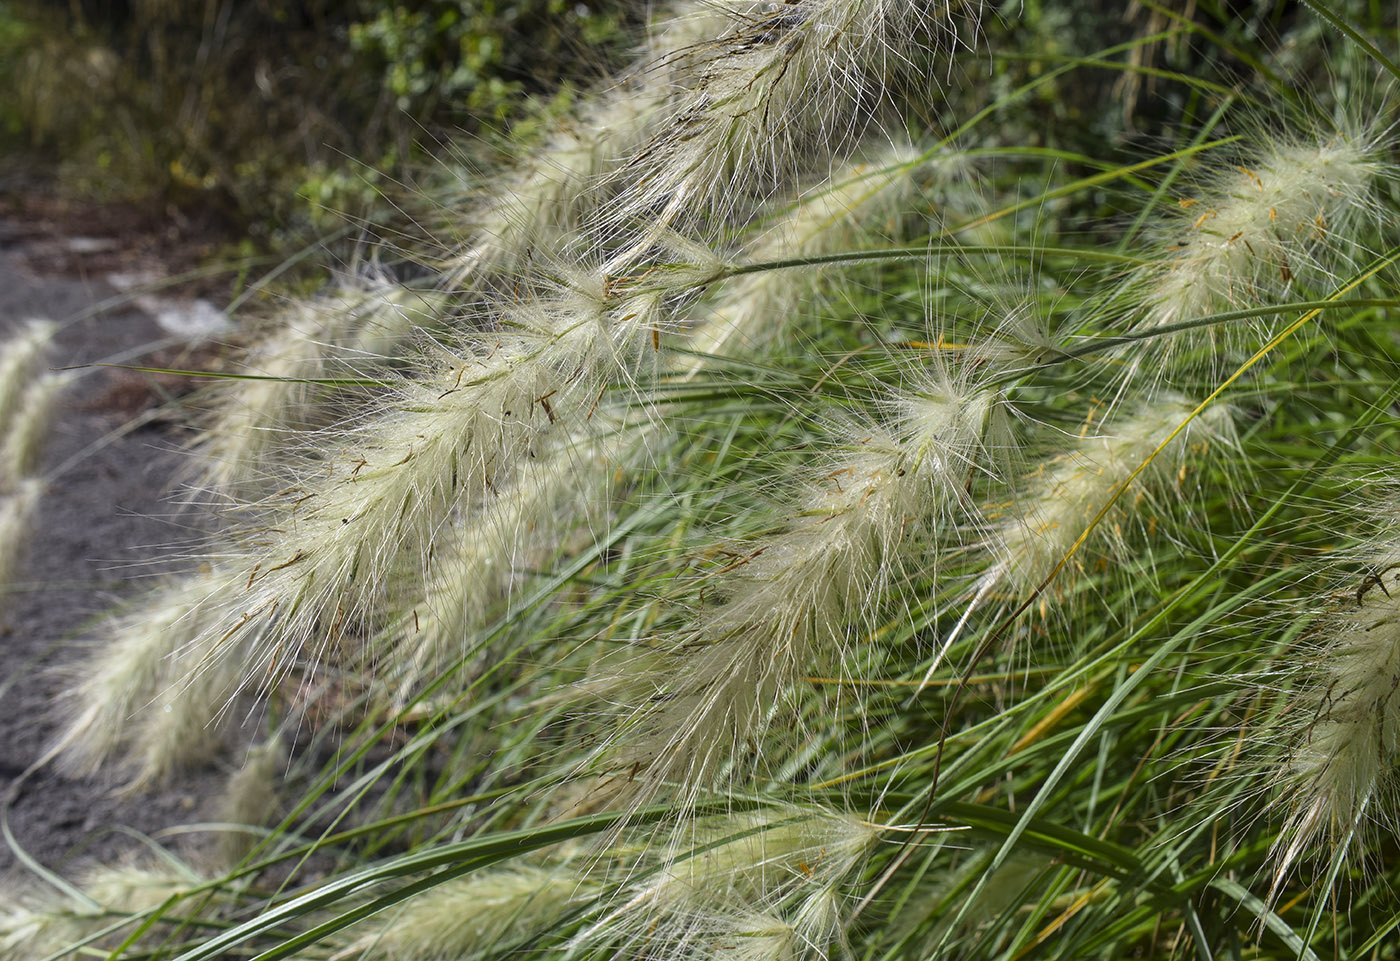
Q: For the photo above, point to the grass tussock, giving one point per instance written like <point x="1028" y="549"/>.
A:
<point x="844" y="492"/>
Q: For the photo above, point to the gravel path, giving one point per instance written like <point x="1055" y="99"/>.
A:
<point x="102" y="524"/>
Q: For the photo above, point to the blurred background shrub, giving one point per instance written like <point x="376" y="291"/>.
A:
<point x="269" y="113"/>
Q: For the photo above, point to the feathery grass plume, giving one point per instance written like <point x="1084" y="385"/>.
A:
<point x="734" y="935"/>
<point x="545" y="202"/>
<point x="722" y="932"/>
<point x="481" y="557"/>
<point x="27" y="401"/>
<point x="1063" y="497"/>
<point x="820" y="923"/>
<point x="185" y="724"/>
<point x="788" y="599"/>
<point x="704" y="68"/>
<point x="131" y="666"/>
<point x="18" y="507"/>
<point x="21" y="360"/>
<point x="336" y="336"/>
<point x="750" y="309"/>
<point x="1343" y="752"/>
<point x="251" y="799"/>
<point x="374" y="499"/>
<point x="35" y="925"/>
<point x="1288" y="214"/>
<point x="473" y="564"/>
<point x="132" y="888"/>
<point x="784" y="86"/>
<point x="28" y="429"/>
<point x="485" y="913"/>
<point x="707" y="880"/>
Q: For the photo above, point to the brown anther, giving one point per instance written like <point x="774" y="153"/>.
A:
<point x="595" y="405"/>
<point x="455" y="386"/>
<point x="298" y="556"/>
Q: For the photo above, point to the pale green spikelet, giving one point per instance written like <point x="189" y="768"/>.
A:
<point x="474" y="916"/>
<point x="21" y="359"/>
<point x="252" y="798"/>
<point x="28" y="429"/>
<point x="18" y="509"/>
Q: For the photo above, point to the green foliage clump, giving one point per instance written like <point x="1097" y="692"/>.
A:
<point x="482" y="56"/>
<point x="260" y="110"/>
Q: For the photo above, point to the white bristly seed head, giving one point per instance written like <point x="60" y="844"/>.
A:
<point x="544" y="203"/>
<point x="759" y="885"/>
<point x="474" y="916"/>
<point x="784" y="85"/>
<point x="751" y="310"/>
<point x="549" y="197"/>
<point x="39" y="925"/>
<point x="788" y="599"/>
<point x="1285" y="215"/>
<point x="137" y="660"/>
<point x="28" y="429"/>
<point x="21" y="360"/>
<point x="18" y="508"/>
<point x="1063" y="498"/>
<point x="184" y="725"/>
<point x="1343" y="752"/>
<point x="346" y="335"/>
<point x="252" y="799"/>
<point x="483" y="556"/>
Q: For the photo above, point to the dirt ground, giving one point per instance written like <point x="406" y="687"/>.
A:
<point x="104" y="524"/>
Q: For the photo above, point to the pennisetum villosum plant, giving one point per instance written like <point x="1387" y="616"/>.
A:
<point x="835" y="494"/>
